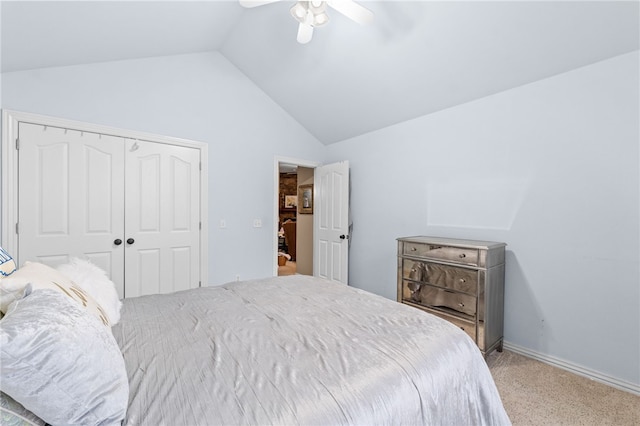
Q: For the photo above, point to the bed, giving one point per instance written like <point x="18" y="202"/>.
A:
<point x="298" y="350"/>
<point x="294" y="350"/>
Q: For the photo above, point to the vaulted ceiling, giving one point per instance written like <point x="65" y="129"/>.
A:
<point x="417" y="57"/>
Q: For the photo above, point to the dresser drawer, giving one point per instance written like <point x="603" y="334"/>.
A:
<point x="446" y="276"/>
<point x="466" y="326"/>
<point x="434" y="297"/>
<point x="468" y="256"/>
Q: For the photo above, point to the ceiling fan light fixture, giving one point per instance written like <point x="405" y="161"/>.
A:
<point x="317" y="7"/>
<point x="312" y="13"/>
<point x="320" y="19"/>
<point x="305" y="32"/>
<point x="298" y="11"/>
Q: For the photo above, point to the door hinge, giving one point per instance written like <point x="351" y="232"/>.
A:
<point x="200" y="166"/>
<point x="17" y="143"/>
<point x="201" y="226"/>
<point x="199" y="283"/>
<point x="16" y="227"/>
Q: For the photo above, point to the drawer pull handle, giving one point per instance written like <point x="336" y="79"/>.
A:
<point x="413" y="249"/>
<point x="462" y="256"/>
<point x="461" y="305"/>
<point x="462" y="280"/>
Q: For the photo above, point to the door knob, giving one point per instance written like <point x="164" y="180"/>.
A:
<point x="130" y="241"/>
<point x="344" y="237"/>
<point x="117" y="242"/>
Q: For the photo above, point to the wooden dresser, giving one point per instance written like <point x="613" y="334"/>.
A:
<point x="461" y="281"/>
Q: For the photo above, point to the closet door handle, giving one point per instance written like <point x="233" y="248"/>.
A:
<point x="131" y="241"/>
<point x="117" y="242"/>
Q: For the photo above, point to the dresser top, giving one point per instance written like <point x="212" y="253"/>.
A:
<point x="453" y="242"/>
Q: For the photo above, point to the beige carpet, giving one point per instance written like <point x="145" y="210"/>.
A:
<point x="535" y="393"/>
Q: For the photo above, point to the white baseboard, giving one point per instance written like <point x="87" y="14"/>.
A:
<point x="573" y="368"/>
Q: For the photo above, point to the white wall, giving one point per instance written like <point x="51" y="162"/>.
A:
<point x="200" y="97"/>
<point x="550" y="168"/>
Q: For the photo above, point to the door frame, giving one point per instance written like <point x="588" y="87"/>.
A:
<point x="276" y="204"/>
<point x="9" y="214"/>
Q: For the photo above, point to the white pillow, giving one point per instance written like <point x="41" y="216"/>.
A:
<point x="94" y="281"/>
<point x="40" y="276"/>
<point x="61" y="363"/>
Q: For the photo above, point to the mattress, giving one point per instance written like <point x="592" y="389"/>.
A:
<point x="298" y="350"/>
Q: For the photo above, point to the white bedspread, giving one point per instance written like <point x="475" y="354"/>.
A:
<point x="298" y="350"/>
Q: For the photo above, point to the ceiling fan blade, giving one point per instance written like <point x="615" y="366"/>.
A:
<point x="255" y="3"/>
<point x="305" y="32"/>
<point x="352" y="10"/>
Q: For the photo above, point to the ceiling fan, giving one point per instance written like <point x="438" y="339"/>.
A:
<point x="313" y="13"/>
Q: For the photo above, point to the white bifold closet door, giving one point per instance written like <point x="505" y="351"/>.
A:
<point x="131" y="207"/>
<point x="162" y="193"/>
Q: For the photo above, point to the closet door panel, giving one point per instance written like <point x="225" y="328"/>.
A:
<point x="148" y="181"/>
<point x="52" y="186"/>
<point x="163" y="205"/>
<point x="181" y="268"/>
<point x="52" y="261"/>
<point x="71" y="200"/>
<point x="148" y="266"/>
<point x="99" y="180"/>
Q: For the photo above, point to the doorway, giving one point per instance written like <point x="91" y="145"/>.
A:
<point x="328" y="215"/>
<point x="293" y="227"/>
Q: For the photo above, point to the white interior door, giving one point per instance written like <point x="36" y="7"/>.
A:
<point x="71" y="200"/>
<point x="162" y="235"/>
<point x="331" y="222"/>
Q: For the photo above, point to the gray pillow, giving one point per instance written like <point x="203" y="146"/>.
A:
<point x="60" y="362"/>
